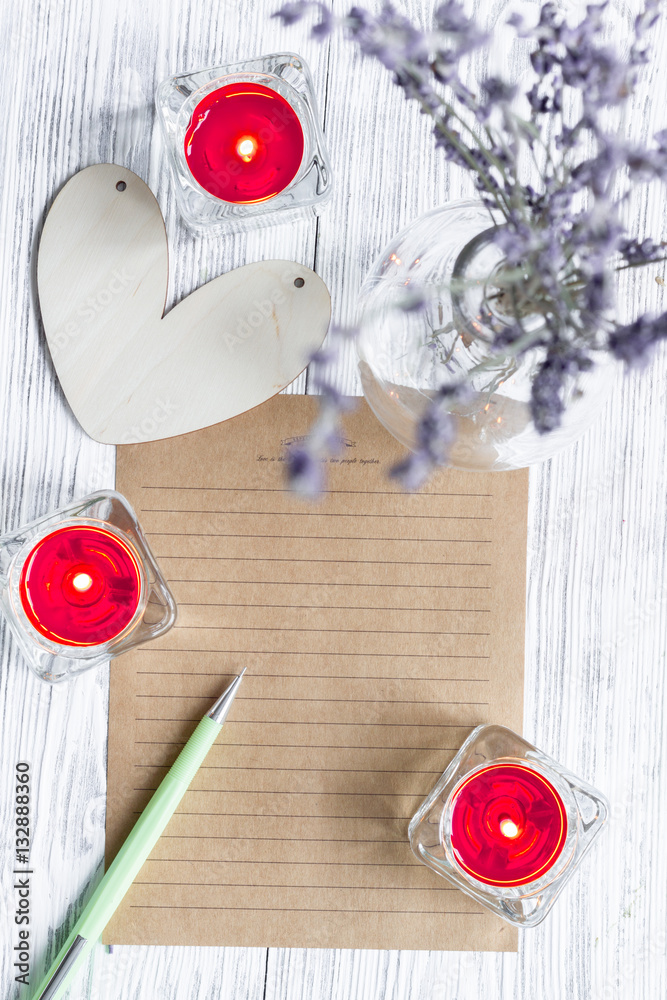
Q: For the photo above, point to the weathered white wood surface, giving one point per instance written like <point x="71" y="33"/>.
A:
<point x="80" y="77"/>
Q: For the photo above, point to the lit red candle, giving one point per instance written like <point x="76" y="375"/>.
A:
<point x="244" y="143"/>
<point x="508" y="824"/>
<point x="81" y="585"/>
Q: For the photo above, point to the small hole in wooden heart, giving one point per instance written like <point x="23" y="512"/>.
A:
<point x="121" y="185"/>
<point x="299" y="282"/>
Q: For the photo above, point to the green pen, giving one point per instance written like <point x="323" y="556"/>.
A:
<point x="141" y="841"/>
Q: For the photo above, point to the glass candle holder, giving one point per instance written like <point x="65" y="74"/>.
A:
<point x="244" y="143"/>
<point x="81" y="585"/>
<point x="507" y="824"/>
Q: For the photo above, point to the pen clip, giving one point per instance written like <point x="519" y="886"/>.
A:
<point x="64" y="967"/>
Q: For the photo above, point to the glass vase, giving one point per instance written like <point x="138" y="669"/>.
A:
<point x="449" y="260"/>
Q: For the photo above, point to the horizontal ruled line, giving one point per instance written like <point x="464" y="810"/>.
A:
<point x="264" y="816"/>
<point x="287" y="885"/>
<point x="295" y="746"/>
<point x="287" y="909"/>
<point x="354" y="631"/>
<point x="315" y="538"/>
<point x="310" y="840"/>
<point x="275" y="489"/>
<point x="308" y="770"/>
<point x="302" y="652"/>
<point x="331" y="607"/>
<point x="263" y="722"/>
<point x="330" y="583"/>
<point x="326" y="677"/>
<point x="309" y="513"/>
<point x="345" y="701"/>
<point x="333" y="864"/>
<point x="356" y="562"/>
<point x="254" y="791"/>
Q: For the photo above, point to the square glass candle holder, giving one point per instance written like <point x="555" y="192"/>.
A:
<point x="507" y="825"/>
<point x="244" y="144"/>
<point x="81" y="585"/>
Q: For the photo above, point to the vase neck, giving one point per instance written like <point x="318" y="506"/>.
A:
<point x="487" y="295"/>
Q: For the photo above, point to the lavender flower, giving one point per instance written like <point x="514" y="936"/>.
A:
<point x="550" y="385"/>
<point x="638" y="252"/>
<point x="633" y="342"/>
<point x="304" y="472"/>
<point x="305" y="460"/>
<point x="498" y="93"/>
<point x="436" y="433"/>
<point x="291" y="13"/>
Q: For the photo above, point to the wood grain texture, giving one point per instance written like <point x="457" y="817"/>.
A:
<point x="82" y="75"/>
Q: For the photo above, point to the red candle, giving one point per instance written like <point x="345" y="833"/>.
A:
<point x="244" y="143"/>
<point x="80" y="585"/>
<point x="508" y="824"/>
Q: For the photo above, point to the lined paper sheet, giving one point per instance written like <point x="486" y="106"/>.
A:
<point x="377" y="627"/>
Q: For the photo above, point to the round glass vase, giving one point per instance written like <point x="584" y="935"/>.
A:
<point x="448" y="258"/>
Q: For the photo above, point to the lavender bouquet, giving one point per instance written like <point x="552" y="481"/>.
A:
<point x="553" y="170"/>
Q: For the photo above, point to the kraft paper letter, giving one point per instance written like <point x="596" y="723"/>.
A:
<point x="377" y="627"/>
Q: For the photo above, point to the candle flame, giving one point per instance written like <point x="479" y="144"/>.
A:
<point x="246" y="147"/>
<point x="82" y="582"/>
<point x="508" y="828"/>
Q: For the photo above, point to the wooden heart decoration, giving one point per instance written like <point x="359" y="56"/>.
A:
<point x="131" y="373"/>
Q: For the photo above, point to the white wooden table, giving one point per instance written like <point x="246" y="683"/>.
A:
<point x="80" y="77"/>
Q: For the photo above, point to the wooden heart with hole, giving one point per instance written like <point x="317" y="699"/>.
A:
<point x="131" y="373"/>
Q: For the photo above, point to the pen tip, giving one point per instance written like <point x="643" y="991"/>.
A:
<point x="220" y="710"/>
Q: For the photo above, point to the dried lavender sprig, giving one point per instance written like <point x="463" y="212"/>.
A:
<point x="633" y="342"/>
<point x="306" y="460"/>
<point x="435" y="436"/>
<point x="564" y="251"/>
<point x="379" y="37"/>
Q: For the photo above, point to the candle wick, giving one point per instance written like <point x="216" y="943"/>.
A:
<point x="246" y="148"/>
<point x="82" y="582"/>
<point x="508" y="828"/>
